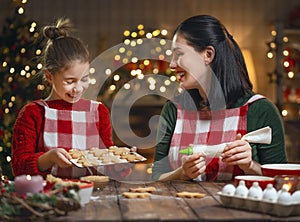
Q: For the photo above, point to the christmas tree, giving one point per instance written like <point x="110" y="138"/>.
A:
<point x="18" y="50"/>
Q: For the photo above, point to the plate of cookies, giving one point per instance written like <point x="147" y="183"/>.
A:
<point x="97" y="156"/>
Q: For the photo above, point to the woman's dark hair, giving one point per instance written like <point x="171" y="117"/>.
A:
<point x="61" y="48"/>
<point x="228" y="64"/>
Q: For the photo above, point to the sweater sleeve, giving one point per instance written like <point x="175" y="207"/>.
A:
<point x="105" y="129"/>
<point x="165" y="131"/>
<point x="25" y="141"/>
<point x="263" y="113"/>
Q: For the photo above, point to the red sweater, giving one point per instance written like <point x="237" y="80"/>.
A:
<point x="29" y="128"/>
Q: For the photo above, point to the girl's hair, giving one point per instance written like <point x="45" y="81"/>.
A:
<point x="228" y="64"/>
<point x="62" y="49"/>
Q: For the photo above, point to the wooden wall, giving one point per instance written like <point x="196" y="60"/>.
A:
<point x="101" y="23"/>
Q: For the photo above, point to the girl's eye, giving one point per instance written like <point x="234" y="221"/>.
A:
<point x="70" y="82"/>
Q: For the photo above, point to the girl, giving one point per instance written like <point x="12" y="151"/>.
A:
<point x="217" y="107"/>
<point x="46" y="129"/>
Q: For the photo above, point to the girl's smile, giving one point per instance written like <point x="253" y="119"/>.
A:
<point x="69" y="84"/>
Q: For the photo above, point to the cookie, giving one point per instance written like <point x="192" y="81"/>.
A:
<point x="75" y="153"/>
<point x="119" y="150"/>
<point x="99" y="181"/>
<point x="101" y="156"/>
<point x="143" y="189"/>
<point x="131" y="157"/>
<point x="136" y="195"/>
<point x="98" y="152"/>
<point x="109" y="159"/>
<point x="190" y="194"/>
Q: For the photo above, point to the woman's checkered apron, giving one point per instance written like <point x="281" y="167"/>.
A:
<point x="71" y="129"/>
<point x="221" y="127"/>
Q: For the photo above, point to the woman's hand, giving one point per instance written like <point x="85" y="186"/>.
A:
<point x="58" y="156"/>
<point x="239" y="152"/>
<point x="194" y="165"/>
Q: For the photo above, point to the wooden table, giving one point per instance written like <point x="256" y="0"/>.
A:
<point x="163" y="205"/>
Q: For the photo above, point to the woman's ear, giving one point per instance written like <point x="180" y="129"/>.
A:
<point x="48" y="76"/>
<point x="209" y="54"/>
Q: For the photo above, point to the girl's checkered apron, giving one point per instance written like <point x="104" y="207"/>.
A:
<point x="71" y="129"/>
<point x="221" y="127"/>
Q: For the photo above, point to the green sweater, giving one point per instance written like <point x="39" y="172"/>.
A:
<point x="261" y="113"/>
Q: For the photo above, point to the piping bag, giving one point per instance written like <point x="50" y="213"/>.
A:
<point x="263" y="135"/>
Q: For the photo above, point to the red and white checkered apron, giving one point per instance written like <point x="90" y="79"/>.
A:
<point x="221" y="127"/>
<point x="71" y="129"/>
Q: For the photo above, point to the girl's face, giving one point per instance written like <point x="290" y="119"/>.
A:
<point x="190" y="65"/>
<point x="70" y="83"/>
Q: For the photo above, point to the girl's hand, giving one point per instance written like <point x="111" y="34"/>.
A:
<point x="133" y="149"/>
<point x="194" y="165"/>
<point x="239" y="152"/>
<point x="60" y="157"/>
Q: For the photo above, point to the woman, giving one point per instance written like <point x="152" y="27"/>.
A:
<point x="46" y="129"/>
<point x="217" y="107"/>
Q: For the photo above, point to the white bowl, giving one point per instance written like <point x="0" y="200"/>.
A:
<point x="85" y="191"/>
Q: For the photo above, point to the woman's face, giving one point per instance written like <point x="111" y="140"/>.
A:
<point x="189" y="65"/>
<point x="70" y="83"/>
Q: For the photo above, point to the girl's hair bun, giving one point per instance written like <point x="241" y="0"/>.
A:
<point x="61" y="29"/>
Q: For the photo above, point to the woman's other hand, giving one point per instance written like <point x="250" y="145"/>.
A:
<point x="194" y="165"/>
<point x="239" y="152"/>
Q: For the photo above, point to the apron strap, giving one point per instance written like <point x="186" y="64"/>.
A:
<point x="41" y="102"/>
<point x="255" y="98"/>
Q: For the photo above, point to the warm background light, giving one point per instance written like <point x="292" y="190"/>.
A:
<point x="250" y="66"/>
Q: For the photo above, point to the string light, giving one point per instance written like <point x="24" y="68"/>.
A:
<point x="134" y="59"/>
<point x="92" y="70"/>
<point x="139" y="69"/>
<point x="116" y="77"/>
<point x="107" y="71"/>
<point x="291" y="74"/>
<point x="140" y="27"/>
<point x="126" y="86"/>
<point x="126" y="33"/>
<point x="93" y="81"/>
<point x="148" y="35"/>
<point x="122" y="50"/>
<point x="20" y="10"/>
<point x="284" y="112"/>
<point x="39" y="66"/>
<point x="38" y="52"/>
<point x="164" y="32"/>
<point x="112" y="87"/>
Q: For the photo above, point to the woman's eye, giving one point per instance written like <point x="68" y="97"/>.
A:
<point x="177" y="55"/>
<point x="85" y="79"/>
